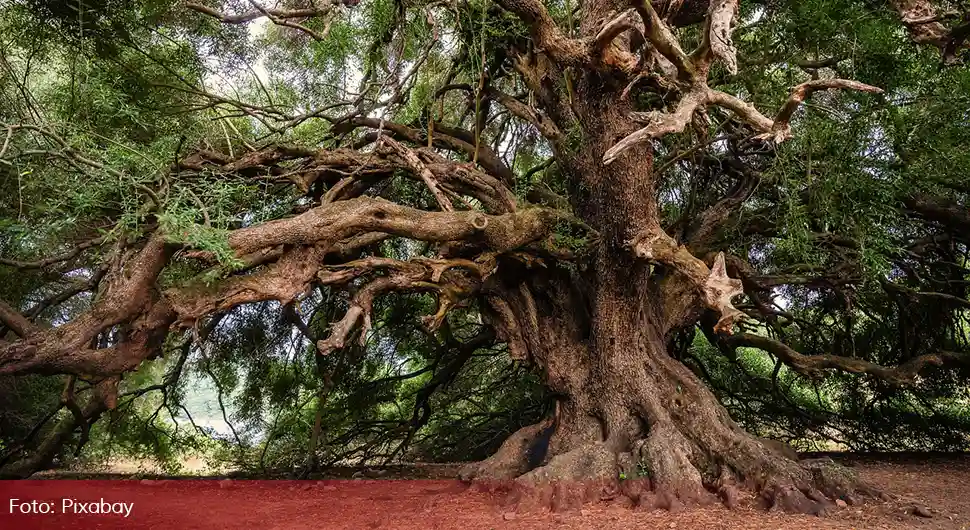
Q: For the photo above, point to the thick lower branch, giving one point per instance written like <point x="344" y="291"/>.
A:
<point x="129" y="295"/>
<point x="334" y="222"/>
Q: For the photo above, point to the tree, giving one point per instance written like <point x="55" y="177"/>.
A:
<point x="501" y="158"/>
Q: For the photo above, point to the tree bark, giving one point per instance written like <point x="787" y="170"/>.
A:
<point x="625" y="407"/>
<point x="632" y="421"/>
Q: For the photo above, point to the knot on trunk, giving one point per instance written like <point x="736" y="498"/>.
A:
<point x="479" y="222"/>
<point x="643" y="247"/>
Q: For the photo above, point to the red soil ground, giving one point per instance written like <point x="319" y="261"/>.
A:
<point x="939" y="486"/>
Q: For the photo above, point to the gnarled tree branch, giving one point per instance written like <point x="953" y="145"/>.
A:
<point x="280" y="17"/>
<point x="813" y="365"/>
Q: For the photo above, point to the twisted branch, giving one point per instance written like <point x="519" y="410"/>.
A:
<point x="814" y="365"/>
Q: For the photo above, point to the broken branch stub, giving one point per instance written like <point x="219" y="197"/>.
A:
<point x="720" y="26"/>
<point x="715" y="287"/>
<point x="718" y="292"/>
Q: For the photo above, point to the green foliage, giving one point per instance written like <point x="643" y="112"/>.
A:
<point x="119" y="83"/>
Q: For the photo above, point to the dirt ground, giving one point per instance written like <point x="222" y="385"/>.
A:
<point x="937" y="485"/>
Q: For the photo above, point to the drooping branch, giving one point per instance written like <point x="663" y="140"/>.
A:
<point x="444" y="374"/>
<point x="59" y="435"/>
<point x="47" y="262"/>
<point x="338" y="221"/>
<point x="781" y="128"/>
<point x="284" y="281"/>
<point x="314" y="234"/>
<point x="350" y="172"/>
<point x="258" y="13"/>
<point x="77" y="287"/>
<point x="945" y="212"/>
<point x="60" y="351"/>
<point x="289" y="252"/>
<point x="944" y="298"/>
<point x="745" y="111"/>
<point x="447" y="138"/>
<point x="127" y="297"/>
<point x="546" y="127"/>
<point x="814" y="365"/>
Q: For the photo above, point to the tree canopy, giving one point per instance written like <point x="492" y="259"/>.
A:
<point x="392" y="230"/>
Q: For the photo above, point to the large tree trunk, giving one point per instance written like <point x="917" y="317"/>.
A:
<point x="633" y="421"/>
<point x="625" y="407"/>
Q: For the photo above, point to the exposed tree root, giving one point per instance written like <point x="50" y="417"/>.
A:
<point x="510" y="461"/>
<point x="658" y="473"/>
